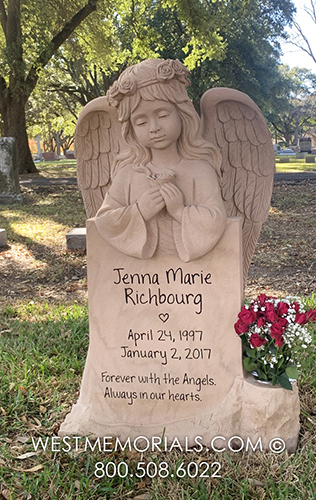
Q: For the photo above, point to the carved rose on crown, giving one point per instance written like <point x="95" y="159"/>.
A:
<point x="181" y="72"/>
<point x="165" y="70"/>
<point x="169" y="69"/>
<point x="126" y="85"/>
<point x="121" y="88"/>
<point x="112" y="93"/>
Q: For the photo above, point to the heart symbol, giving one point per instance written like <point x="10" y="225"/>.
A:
<point x="163" y="317"/>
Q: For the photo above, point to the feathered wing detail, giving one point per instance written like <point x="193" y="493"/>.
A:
<point x="234" y="123"/>
<point x="98" y="141"/>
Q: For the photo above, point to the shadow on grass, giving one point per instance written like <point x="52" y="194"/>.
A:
<point x="36" y="230"/>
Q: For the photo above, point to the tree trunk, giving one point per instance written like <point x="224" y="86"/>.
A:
<point x="296" y="131"/>
<point x="15" y="126"/>
<point x="14" y="96"/>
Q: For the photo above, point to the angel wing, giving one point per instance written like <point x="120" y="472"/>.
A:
<point x="98" y="140"/>
<point x="234" y="123"/>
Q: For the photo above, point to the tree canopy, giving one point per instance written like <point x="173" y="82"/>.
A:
<point x="84" y="44"/>
<point x="243" y="51"/>
<point x="296" y="114"/>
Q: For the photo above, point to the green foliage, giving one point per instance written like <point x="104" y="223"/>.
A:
<point x="232" y="44"/>
<point x="295" y="114"/>
<point x="51" y="113"/>
<point x="246" y="54"/>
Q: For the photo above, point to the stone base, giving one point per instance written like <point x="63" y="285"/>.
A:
<point x="252" y="413"/>
<point x="76" y="239"/>
<point x="8" y="199"/>
<point x="3" y="238"/>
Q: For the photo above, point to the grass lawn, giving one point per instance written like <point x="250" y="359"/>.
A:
<point x="67" y="168"/>
<point x="42" y="358"/>
<point x="53" y="169"/>
<point x="44" y="341"/>
<point x="294" y="165"/>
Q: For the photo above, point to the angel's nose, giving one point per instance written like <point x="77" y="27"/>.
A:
<point x="154" y="126"/>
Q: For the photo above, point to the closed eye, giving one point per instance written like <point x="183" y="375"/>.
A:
<point x="139" y="124"/>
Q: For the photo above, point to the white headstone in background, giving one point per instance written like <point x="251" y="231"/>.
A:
<point x="9" y="180"/>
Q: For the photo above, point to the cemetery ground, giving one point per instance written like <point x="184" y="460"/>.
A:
<point x="44" y="340"/>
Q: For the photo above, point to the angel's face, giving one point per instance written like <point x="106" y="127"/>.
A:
<point x="157" y="124"/>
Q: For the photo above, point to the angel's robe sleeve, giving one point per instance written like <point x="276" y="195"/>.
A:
<point x="123" y="226"/>
<point x="203" y="222"/>
<point x="203" y="219"/>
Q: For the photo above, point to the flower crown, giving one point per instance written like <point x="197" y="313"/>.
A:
<point x="129" y="82"/>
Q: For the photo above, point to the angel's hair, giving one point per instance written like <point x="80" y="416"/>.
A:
<point x="191" y="145"/>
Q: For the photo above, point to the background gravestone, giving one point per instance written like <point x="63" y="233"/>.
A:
<point x="9" y="180"/>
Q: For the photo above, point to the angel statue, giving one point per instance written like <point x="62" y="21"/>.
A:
<point x="160" y="180"/>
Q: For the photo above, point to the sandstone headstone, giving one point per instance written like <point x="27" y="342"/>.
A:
<point x="162" y="339"/>
<point x="9" y="180"/>
<point x="284" y="159"/>
<point x="156" y="366"/>
<point x="165" y="273"/>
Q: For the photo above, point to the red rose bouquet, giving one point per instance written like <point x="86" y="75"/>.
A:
<point x="272" y="330"/>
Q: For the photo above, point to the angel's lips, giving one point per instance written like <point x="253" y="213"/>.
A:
<point x="162" y="177"/>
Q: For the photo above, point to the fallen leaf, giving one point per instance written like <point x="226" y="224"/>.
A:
<point x="275" y="467"/>
<point x="144" y="496"/>
<point x="24" y="419"/>
<point x="27" y="455"/>
<point x="3" y="332"/>
<point x="32" y="469"/>
<point x="43" y="409"/>
<point x="141" y="485"/>
<point x="3" y="411"/>
<point x="254" y="482"/>
<point x="6" y="494"/>
<point x="22" y="439"/>
<point x="35" y="468"/>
